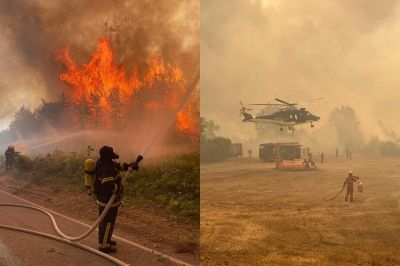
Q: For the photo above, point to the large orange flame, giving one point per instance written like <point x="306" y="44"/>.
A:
<point x="109" y="92"/>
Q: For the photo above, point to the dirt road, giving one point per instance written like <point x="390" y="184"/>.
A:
<point x="23" y="249"/>
<point x="252" y="214"/>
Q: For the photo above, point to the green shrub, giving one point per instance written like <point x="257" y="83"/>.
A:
<point x="215" y="149"/>
<point x="173" y="184"/>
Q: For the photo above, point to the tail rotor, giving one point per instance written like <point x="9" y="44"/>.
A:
<point x="244" y="109"/>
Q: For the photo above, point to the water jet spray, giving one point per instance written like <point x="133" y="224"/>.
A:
<point x="171" y="119"/>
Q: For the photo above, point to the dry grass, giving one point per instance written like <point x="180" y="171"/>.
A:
<point x="254" y="215"/>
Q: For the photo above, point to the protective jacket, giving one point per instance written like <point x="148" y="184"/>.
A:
<point x="108" y="181"/>
<point x="350" y="180"/>
<point x="10" y="154"/>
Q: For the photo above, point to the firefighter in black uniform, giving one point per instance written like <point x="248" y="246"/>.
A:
<point x="10" y="155"/>
<point x="108" y="182"/>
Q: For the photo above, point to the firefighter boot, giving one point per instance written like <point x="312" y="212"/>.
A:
<point x="108" y="249"/>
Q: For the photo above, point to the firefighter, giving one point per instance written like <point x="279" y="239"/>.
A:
<point x="10" y="155"/>
<point x="107" y="182"/>
<point x="349" y="181"/>
<point x="306" y="164"/>
<point x="311" y="161"/>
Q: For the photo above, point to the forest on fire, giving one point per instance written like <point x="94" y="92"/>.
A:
<point x="101" y="95"/>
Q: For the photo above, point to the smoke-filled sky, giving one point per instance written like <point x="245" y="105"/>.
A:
<point x="347" y="52"/>
<point x="33" y="30"/>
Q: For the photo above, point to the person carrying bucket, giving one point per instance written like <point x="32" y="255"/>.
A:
<point x="349" y="182"/>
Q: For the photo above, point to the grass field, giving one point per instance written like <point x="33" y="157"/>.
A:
<point x="252" y="214"/>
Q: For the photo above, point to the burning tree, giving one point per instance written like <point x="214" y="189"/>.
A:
<point x="103" y="95"/>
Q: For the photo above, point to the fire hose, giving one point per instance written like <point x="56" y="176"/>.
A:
<point x="359" y="183"/>
<point x="64" y="238"/>
<point x="336" y="194"/>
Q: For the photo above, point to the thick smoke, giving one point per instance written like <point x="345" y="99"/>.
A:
<point x="344" y="51"/>
<point x="33" y="31"/>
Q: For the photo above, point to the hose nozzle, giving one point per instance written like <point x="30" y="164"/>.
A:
<point x="139" y="159"/>
<point x="135" y="165"/>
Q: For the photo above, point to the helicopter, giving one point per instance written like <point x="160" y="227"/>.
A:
<point x="287" y="115"/>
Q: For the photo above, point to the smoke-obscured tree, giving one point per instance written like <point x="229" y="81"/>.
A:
<point x="390" y="148"/>
<point x="81" y="113"/>
<point x="7" y="136"/>
<point x="213" y="148"/>
<point x="53" y="114"/>
<point x="373" y="145"/>
<point x="388" y="132"/>
<point x="208" y="128"/>
<point x="114" y="100"/>
<point x="95" y="109"/>
<point x="25" y="124"/>
<point x="347" y="126"/>
<point x="384" y="148"/>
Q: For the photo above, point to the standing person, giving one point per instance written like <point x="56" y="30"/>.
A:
<point x="350" y="155"/>
<point x="349" y="181"/>
<point x="250" y="152"/>
<point x="306" y="163"/>
<point x="10" y="157"/>
<point x="311" y="161"/>
<point x="347" y="153"/>
<point x="108" y="182"/>
<point x="322" y="157"/>
<point x="337" y="153"/>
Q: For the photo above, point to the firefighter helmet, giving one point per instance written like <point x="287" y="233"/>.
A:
<point x="108" y="153"/>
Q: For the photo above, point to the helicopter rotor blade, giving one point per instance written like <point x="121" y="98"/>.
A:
<point x="313" y="101"/>
<point x="286" y="103"/>
<point x="244" y="108"/>
<point x="271" y="104"/>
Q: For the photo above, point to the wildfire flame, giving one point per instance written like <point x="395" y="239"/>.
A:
<point x="111" y="94"/>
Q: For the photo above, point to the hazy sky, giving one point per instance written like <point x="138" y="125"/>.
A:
<point x="347" y="52"/>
